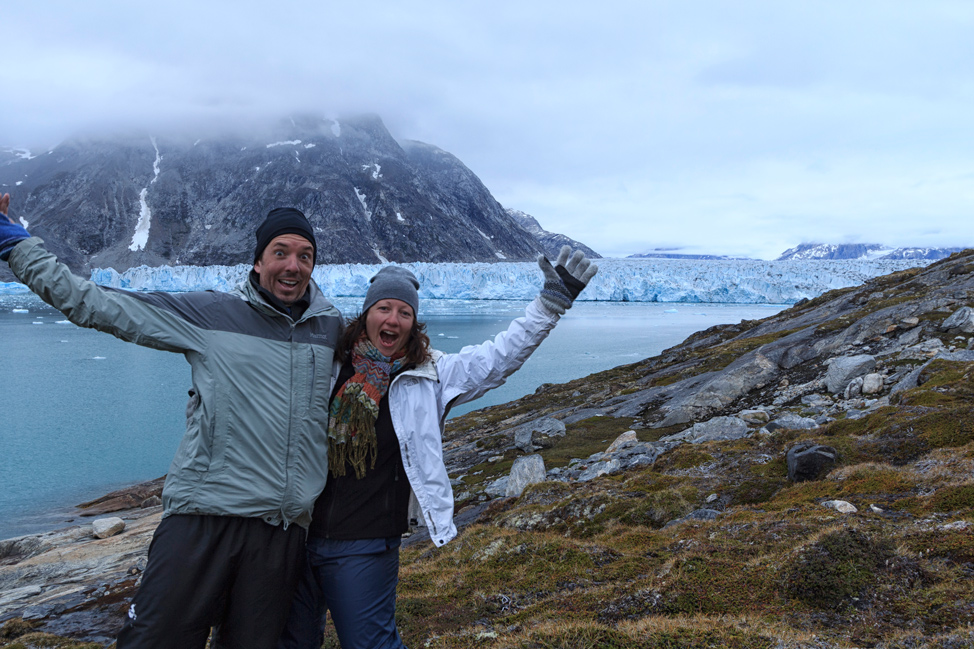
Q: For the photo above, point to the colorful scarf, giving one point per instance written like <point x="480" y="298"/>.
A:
<point x="351" y="421"/>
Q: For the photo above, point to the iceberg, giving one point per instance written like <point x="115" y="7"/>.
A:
<point x="736" y="281"/>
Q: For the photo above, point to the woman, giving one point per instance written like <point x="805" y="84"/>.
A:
<point x="390" y="401"/>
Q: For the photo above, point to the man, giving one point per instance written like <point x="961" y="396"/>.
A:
<point x="239" y="492"/>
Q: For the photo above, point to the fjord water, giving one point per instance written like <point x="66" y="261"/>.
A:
<point x="85" y="413"/>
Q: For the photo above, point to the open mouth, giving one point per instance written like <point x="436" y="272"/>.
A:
<point x="387" y="337"/>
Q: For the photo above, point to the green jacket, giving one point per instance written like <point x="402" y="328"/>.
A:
<point x="256" y="423"/>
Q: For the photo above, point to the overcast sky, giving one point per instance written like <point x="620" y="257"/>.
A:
<point x="739" y="128"/>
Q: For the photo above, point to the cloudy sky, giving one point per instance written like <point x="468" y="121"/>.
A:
<point x="739" y="128"/>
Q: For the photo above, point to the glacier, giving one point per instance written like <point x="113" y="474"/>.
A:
<point x="734" y="281"/>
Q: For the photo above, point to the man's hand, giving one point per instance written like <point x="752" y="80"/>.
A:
<point x="10" y="233"/>
<point x="565" y="281"/>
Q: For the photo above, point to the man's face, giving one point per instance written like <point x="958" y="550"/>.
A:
<point x="285" y="267"/>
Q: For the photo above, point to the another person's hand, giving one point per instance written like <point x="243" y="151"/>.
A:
<point x="10" y="233"/>
<point x="563" y="282"/>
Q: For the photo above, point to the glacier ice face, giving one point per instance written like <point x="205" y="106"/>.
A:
<point x="740" y="281"/>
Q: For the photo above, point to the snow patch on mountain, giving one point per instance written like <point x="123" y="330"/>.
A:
<point x="361" y="199"/>
<point x="141" y="235"/>
<point x="285" y="143"/>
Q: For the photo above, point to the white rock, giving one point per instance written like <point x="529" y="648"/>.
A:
<point x="841" y="506"/>
<point x="872" y="383"/>
<point x="526" y="470"/>
<point x="854" y="389"/>
<point x="754" y="416"/>
<point x="627" y="437"/>
<point x="105" y="527"/>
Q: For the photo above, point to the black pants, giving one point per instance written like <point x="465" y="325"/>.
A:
<point x="237" y="575"/>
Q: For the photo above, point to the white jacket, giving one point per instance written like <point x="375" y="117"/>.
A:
<point x="420" y="399"/>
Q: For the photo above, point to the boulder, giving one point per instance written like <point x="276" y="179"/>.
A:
<point x="105" y="527"/>
<point x="530" y="434"/>
<point x="628" y="438"/>
<point x="962" y="320"/>
<point x="498" y="488"/>
<point x="791" y="421"/>
<point x="854" y="389"/>
<point x="526" y="470"/>
<point x="716" y="429"/>
<point x="809" y="461"/>
<point x="754" y="416"/>
<point x="524" y="440"/>
<point x="872" y="383"/>
<point x="841" y="506"/>
<point x="845" y="368"/>
<point x="599" y="469"/>
<point x="816" y="401"/>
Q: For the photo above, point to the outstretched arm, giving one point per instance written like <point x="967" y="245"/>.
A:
<point x="10" y="233"/>
<point x="475" y="369"/>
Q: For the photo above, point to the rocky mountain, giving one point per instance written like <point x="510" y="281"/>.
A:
<point x="157" y="200"/>
<point x="863" y="251"/>
<point x="797" y="482"/>
<point x="672" y="254"/>
<point x="550" y="241"/>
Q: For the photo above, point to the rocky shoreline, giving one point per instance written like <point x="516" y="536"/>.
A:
<point x="70" y="582"/>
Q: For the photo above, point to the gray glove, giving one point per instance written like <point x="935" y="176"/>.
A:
<point x="565" y="281"/>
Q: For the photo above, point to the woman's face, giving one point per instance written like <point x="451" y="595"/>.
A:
<point x="388" y="324"/>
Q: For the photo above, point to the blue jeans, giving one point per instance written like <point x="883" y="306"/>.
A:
<point x="354" y="580"/>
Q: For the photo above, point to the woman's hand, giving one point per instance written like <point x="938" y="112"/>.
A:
<point x="563" y="282"/>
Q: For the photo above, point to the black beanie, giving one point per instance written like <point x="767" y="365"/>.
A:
<point x="284" y="220"/>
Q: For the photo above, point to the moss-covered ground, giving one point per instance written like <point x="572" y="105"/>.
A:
<point x="596" y="565"/>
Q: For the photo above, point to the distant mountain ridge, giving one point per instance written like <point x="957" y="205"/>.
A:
<point x="670" y="254"/>
<point x="165" y="200"/>
<point x="551" y="241"/>
<point x="863" y="251"/>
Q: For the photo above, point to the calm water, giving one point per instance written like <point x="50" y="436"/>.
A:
<point x="85" y="413"/>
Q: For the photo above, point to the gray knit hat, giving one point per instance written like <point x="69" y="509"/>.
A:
<point x="393" y="282"/>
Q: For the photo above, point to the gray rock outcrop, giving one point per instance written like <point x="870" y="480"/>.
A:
<point x="845" y="368"/>
<point x="962" y="320"/>
<point x="532" y="435"/>
<point x="716" y="429"/>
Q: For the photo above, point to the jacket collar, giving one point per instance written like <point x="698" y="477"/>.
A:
<point x="427" y="370"/>
<point x="318" y="305"/>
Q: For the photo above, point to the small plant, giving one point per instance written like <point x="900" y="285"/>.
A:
<point x="837" y="567"/>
